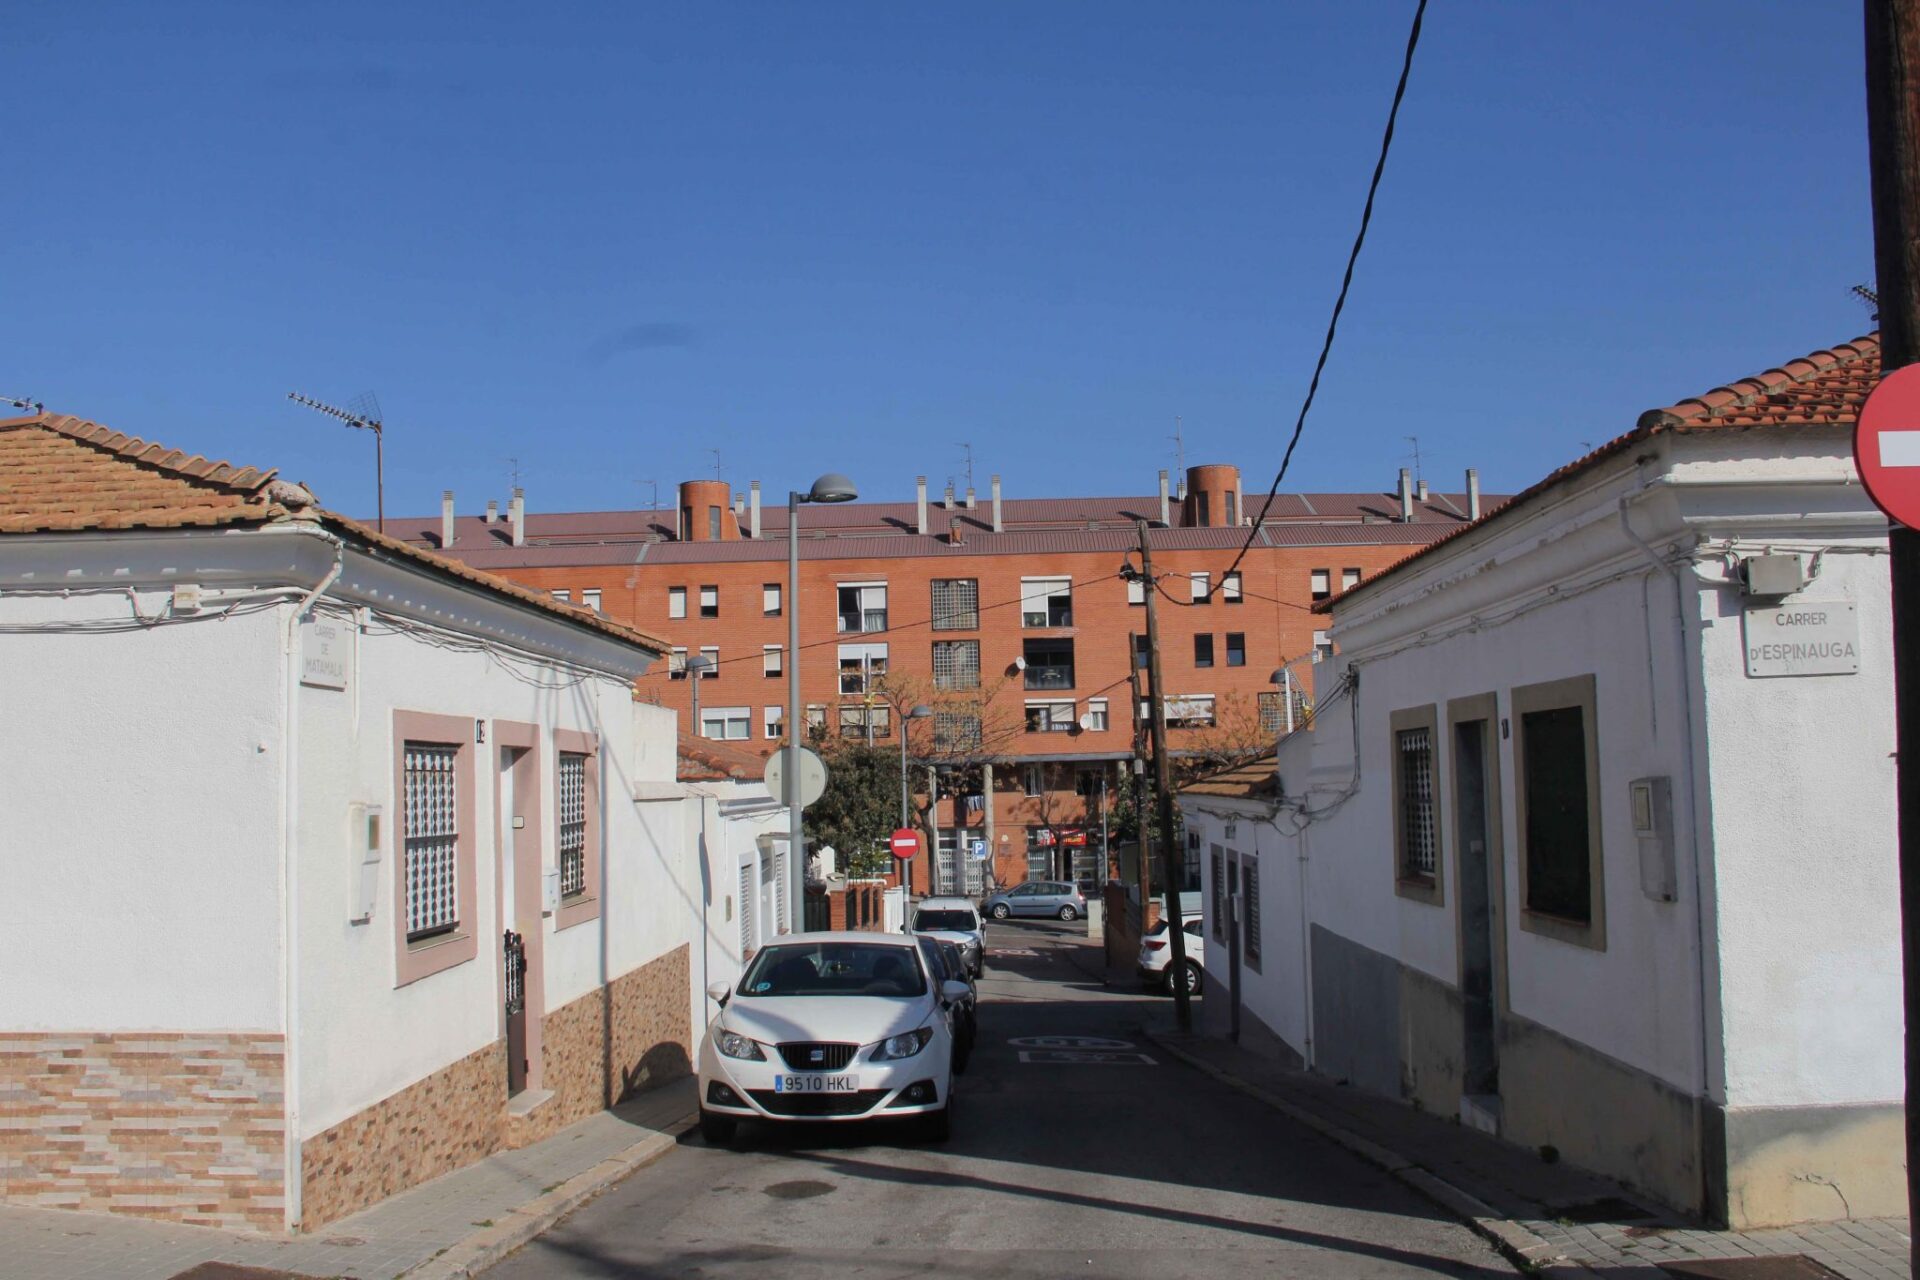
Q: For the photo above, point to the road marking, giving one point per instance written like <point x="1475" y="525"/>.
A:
<point x="1016" y="951"/>
<point x="1068" y="1042"/>
<point x="1085" y="1057"/>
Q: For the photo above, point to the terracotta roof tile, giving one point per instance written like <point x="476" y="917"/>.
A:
<point x="704" y="760"/>
<point x="1255" y="780"/>
<point x="1822" y="388"/>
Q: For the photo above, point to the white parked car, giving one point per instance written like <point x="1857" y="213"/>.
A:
<point x="831" y="1026"/>
<point x="954" y="920"/>
<point x="1156" y="954"/>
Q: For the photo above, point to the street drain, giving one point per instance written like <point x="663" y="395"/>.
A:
<point x="1605" y="1209"/>
<point x="802" y="1190"/>
<point x="1788" y="1266"/>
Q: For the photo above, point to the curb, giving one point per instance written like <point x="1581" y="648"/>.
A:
<point x="1515" y="1243"/>
<point x="474" y="1254"/>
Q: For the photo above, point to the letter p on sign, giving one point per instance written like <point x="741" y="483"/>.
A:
<point x="1886" y="445"/>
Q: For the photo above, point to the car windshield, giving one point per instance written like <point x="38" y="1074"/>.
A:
<point x="958" y="921"/>
<point x="833" y="969"/>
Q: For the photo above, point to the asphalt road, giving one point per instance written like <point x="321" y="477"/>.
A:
<point x="1121" y="1169"/>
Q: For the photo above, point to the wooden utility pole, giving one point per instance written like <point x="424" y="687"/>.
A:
<point x="1139" y="782"/>
<point x="1893" y="151"/>
<point x="1163" y="784"/>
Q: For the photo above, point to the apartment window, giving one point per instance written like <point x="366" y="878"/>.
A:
<point x="713" y="524"/>
<point x="432" y="839"/>
<point x="775" y="721"/>
<point x="591" y="598"/>
<point x="1049" y="717"/>
<point x="1200" y="509"/>
<point x="1033" y="779"/>
<point x="1236" y="649"/>
<point x="956" y="731"/>
<point x="770" y="660"/>
<point x="1136" y="591"/>
<point x="1141" y="655"/>
<point x="1089" y="781"/>
<point x="677" y="663"/>
<point x="572" y="793"/>
<point x="956" y="604"/>
<point x="1322" y="647"/>
<point x="861" y="665"/>
<point x="1250" y="912"/>
<point x="1349" y="579"/>
<point x="710" y="602"/>
<point x="1046" y="602"/>
<point x="564" y="597"/>
<point x="1201" y="587"/>
<point x="726" y="724"/>
<point x="1416" y="812"/>
<point x="1049" y="664"/>
<point x="1039" y="853"/>
<point x="676" y="602"/>
<point x="1096" y="714"/>
<point x="1190" y="711"/>
<point x="855" y="721"/>
<point x="1230" y="587"/>
<point x="1321" y="583"/>
<point x="956" y="665"/>
<point x="863" y="606"/>
<point x="770" y="599"/>
<point x="816" y="718"/>
<point x="1557" y="758"/>
<point x="1232" y="503"/>
<point x="1203" y="651"/>
<point x="712" y="654"/>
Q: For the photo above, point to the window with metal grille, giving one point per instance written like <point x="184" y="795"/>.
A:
<point x="956" y="731"/>
<point x="1218" y="896"/>
<point x="746" y="908"/>
<point x="956" y="664"/>
<point x="1273" y="711"/>
<point x="956" y="604"/>
<point x="432" y="838"/>
<point x="1250" y="913"/>
<point x="1414" y="748"/>
<point x="573" y="823"/>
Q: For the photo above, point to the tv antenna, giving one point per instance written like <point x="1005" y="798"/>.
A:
<point x="1415" y="442"/>
<point x="1179" y="454"/>
<point x="716" y="462"/>
<point x="23" y="402"/>
<point x="363" y="413"/>
<point x="513" y="470"/>
<point x="1868" y="295"/>
<point x="654" y="487"/>
<point x="966" y="448"/>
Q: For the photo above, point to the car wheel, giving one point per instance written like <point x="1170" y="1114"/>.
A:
<point x="937" y="1126"/>
<point x="1069" y="914"/>
<point x="718" y="1130"/>
<point x="999" y="911"/>
<point x="1192" y="975"/>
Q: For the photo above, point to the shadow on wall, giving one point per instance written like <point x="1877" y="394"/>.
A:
<point x="662" y="1064"/>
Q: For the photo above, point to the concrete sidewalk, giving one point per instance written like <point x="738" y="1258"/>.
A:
<point x="1549" y="1216"/>
<point x="453" y="1226"/>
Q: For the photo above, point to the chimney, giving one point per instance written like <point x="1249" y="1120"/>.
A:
<point x="753" y="509"/>
<point x="970" y="503"/>
<point x="998" y="526"/>
<point x="739" y="506"/>
<point x="493" y="511"/>
<point x="1423" y="489"/>
<point x="517" y="516"/>
<point x="920" y="485"/>
<point x="446" y="518"/>
<point x="1406" y="495"/>
<point x="1473" y="493"/>
<point x="1165" y="515"/>
<point x="948" y="504"/>
<point x="957" y="533"/>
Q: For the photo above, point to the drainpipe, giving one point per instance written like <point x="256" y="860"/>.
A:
<point x="290" y="885"/>
<point x="1306" y="960"/>
<point x="1673" y="571"/>
<point x="920" y="484"/>
<point x="998" y="526"/>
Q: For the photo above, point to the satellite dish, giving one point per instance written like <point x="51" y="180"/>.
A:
<point x="1086" y="721"/>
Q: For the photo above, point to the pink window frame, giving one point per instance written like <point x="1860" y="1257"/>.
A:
<point x="585" y="905"/>
<point x="414" y="961"/>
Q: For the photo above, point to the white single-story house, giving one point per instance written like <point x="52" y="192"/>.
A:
<point x="739" y="833"/>
<point x="330" y="864"/>
<point x="1592" y="841"/>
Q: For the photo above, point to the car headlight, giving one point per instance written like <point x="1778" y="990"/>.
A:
<point x="902" y="1046"/>
<point x="732" y="1044"/>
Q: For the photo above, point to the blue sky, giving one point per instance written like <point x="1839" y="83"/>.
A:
<point x="605" y="239"/>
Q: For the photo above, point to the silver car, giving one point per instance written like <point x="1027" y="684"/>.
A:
<point x="953" y="920"/>
<point x="1054" y="898"/>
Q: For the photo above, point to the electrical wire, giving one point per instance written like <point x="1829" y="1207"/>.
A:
<point x="1346" y="282"/>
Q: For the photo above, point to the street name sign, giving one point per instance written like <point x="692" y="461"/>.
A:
<point x="905" y="843"/>
<point x="323" y="653"/>
<point x="1810" y="638"/>
<point x="1886" y="445"/>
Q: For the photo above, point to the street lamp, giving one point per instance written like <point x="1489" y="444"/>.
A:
<point x="698" y="665"/>
<point x="920" y="712"/>
<point x="832" y="487"/>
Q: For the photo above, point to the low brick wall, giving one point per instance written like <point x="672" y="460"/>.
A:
<point x="182" y="1127"/>
<point x="433" y="1126"/>
<point x="610" y="1044"/>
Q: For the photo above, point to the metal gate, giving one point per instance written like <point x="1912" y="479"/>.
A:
<point x="514" y="948"/>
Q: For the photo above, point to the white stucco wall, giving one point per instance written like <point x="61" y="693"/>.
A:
<point x="141" y="850"/>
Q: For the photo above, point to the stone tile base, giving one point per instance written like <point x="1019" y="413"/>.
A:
<point x="182" y="1127"/>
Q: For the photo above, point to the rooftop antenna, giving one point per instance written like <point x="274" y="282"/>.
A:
<point x="1870" y="296"/>
<point x="1415" y="442"/>
<point x="513" y="469"/>
<point x="653" y="486"/>
<point x="363" y="412"/>
<point x="1179" y="455"/>
<point x="22" y="402"/>
<point x="716" y="463"/>
<point x="967" y="449"/>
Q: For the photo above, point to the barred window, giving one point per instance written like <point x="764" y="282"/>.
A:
<point x="956" y="730"/>
<point x="573" y="824"/>
<point x="1418" y="837"/>
<point x="956" y="664"/>
<point x="747" y="892"/>
<point x="1219" y="894"/>
<point x="1250" y="922"/>
<point x="956" y="604"/>
<point x="432" y="839"/>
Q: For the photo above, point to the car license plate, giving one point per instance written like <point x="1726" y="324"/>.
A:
<point x="816" y="1084"/>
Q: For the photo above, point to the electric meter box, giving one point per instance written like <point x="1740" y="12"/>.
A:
<point x="1650" y="802"/>
<point x="550" y="890"/>
<point x="364" y="834"/>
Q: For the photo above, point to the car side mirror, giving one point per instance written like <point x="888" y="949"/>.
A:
<point x="953" y="992"/>
<point x="718" y="992"/>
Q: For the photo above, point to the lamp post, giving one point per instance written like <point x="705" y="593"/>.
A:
<point x="832" y="487"/>
<point x="919" y="712"/>
<point x="698" y="665"/>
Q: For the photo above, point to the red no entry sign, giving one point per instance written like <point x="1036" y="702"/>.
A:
<point x="905" y="843"/>
<point x="1886" y="445"/>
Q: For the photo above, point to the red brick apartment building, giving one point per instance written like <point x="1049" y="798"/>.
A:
<point x="1009" y="618"/>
